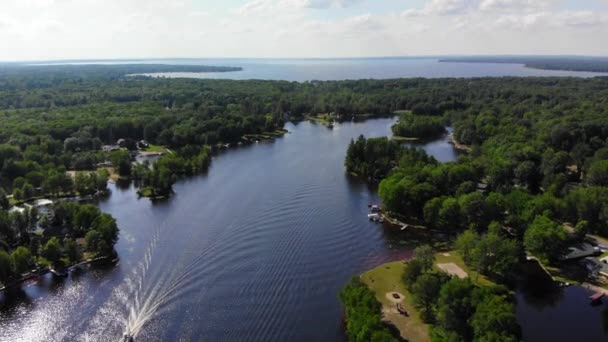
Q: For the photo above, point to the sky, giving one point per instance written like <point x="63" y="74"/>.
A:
<point x="110" y="29"/>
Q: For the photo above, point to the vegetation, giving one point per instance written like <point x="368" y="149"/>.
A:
<point x="491" y="254"/>
<point x="22" y="249"/>
<point x="371" y="158"/>
<point x="386" y="278"/>
<point x="458" y="309"/>
<point x="592" y="64"/>
<point x="417" y="126"/>
<point x="363" y="314"/>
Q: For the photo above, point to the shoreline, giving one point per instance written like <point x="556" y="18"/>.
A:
<point x="460" y="147"/>
<point x="57" y="273"/>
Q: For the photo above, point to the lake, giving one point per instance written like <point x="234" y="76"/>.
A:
<point x="256" y="250"/>
<point x="342" y="69"/>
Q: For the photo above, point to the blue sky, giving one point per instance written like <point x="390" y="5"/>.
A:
<point x="72" y="29"/>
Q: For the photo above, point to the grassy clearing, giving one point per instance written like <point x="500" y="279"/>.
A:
<point x="455" y="258"/>
<point x="403" y="139"/>
<point x="324" y="119"/>
<point x="114" y="176"/>
<point x="156" y="148"/>
<point x="387" y="278"/>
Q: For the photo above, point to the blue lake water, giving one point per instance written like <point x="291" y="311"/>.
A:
<point x="342" y="69"/>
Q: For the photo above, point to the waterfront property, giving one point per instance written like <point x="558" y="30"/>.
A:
<point x="581" y="250"/>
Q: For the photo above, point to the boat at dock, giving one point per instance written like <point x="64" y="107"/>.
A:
<point x="596" y="297"/>
<point x="375" y="217"/>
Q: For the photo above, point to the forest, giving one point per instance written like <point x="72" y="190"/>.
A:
<point x="533" y="183"/>
<point x="539" y="153"/>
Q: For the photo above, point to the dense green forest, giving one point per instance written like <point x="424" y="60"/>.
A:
<point x="70" y="231"/>
<point x="534" y="182"/>
<point x="568" y="63"/>
<point x="539" y="145"/>
<point x="458" y="309"/>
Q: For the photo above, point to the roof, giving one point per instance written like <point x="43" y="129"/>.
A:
<point x="16" y="209"/>
<point x="580" y="250"/>
<point x="43" y="202"/>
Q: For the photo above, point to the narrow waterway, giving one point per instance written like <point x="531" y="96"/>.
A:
<point x="256" y="250"/>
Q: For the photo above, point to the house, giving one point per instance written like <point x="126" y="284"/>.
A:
<point x="596" y="267"/>
<point x="142" y="144"/>
<point x="15" y="209"/>
<point x="110" y="148"/>
<point x="581" y="250"/>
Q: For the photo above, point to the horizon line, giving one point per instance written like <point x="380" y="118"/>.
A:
<point x="131" y="59"/>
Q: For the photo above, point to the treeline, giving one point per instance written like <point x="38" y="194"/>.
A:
<point x="590" y="64"/>
<point x="69" y="230"/>
<point x="156" y="180"/>
<point x="363" y="314"/>
<point x="417" y="126"/>
<point x="457" y="309"/>
<point x="371" y="158"/>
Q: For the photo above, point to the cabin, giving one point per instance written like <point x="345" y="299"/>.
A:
<point x="110" y="148"/>
<point x="581" y="250"/>
<point x="142" y="144"/>
<point x="15" y="209"/>
<point x="482" y="187"/>
<point x="596" y="267"/>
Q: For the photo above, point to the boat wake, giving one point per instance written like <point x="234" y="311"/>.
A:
<point x="152" y="291"/>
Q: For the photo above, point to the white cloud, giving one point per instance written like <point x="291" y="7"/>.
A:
<point x="56" y="29"/>
<point x="441" y="8"/>
<point x="517" y="5"/>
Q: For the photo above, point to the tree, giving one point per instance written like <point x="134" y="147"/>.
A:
<point x="494" y="320"/>
<point x="106" y="225"/>
<point x="52" y="251"/>
<point x="545" y="239"/>
<point x="363" y="316"/>
<point x="449" y="214"/>
<point x="465" y="243"/>
<point x="6" y="266"/>
<point x="494" y="256"/>
<point x="426" y="256"/>
<point x="122" y="162"/>
<point x="101" y="180"/>
<point x="93" y="238"/>
<point x="455" y="307"/>
<point x="84" y="216"/>
<point x="22" y="258"/>
<point x="598" y="173"/>
<point x="72" y="251"/>
<point x="412" y="271"/>
<point x="425" y="291"/>
<point x="4" y="203"/>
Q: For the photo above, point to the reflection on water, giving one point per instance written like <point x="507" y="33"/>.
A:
<point x="548" y="312"/>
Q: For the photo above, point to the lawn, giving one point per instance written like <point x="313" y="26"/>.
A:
<point x="157" y="148"/>
<point x="403" y="139"/>
<point x="387" y="278"/>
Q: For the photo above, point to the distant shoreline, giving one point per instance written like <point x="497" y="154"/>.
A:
<point x="577" y="64"/>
